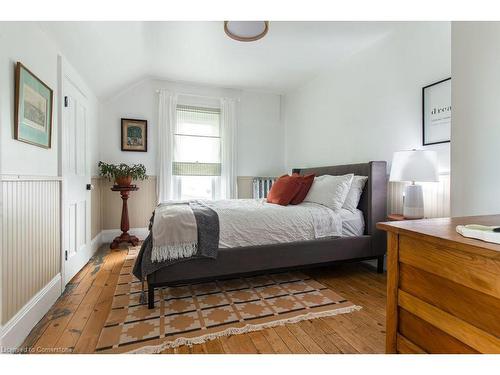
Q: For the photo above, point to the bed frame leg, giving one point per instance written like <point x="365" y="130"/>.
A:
<point x="151" y="297"/>
<point x="380" y="264"/>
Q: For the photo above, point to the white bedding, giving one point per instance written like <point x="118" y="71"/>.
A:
<point x="251" y="222"/>
<point x="353" y="223"/>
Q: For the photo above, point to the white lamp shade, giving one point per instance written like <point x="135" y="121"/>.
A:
<point x="415" y="165"/>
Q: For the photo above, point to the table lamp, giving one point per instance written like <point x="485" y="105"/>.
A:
<point x="414" y="166"/>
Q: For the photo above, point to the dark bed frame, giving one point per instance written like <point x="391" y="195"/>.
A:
<point x="250" y="260"/>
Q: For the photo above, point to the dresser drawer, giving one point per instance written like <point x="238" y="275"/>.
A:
<point x="415" y="335"/>
<point x="443" y="289"/>
<point x="477" y="308"/>
<point x="447" y="300"/>
<point x="465" y="268"/>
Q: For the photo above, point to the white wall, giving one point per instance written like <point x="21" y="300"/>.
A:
<point x="476" y="118"/>
<point x="261" y="136"/>
<point x="25" y="42"/>
<point x="260" y="131"/>
<point x="370" y="106"/>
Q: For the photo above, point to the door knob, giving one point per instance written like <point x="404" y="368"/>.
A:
<point x="90" y="187"/>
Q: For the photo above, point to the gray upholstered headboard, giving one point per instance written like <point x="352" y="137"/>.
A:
<point x="373" y="202"/>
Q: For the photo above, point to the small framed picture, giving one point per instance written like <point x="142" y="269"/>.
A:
<point x="436" y="112"/>
<point x="134" y="135"/>
<point x="33" y="109"/>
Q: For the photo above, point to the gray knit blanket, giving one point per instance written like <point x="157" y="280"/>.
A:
<point x="175" y="232"/>
<point x="207" y="228"/>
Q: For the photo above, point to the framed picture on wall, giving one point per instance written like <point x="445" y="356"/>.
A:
<point x="436" y="112"/>
<point x="134" y="135"/>
<point x="33" y="109"/>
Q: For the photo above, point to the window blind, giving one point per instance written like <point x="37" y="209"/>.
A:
<point x="197" y="144"/>
<point x="180" y="168"/>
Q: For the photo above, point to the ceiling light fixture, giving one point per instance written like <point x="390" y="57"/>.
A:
<point x="246" y="31"/>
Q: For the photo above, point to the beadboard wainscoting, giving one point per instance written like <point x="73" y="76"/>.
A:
<point x="107" y="209"/>
<point x="141" y="204"/>
<point x="31" y="253"/>
<point x="436" y="197"/>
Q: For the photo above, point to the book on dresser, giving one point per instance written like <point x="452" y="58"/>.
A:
<point x="443" y="289"/>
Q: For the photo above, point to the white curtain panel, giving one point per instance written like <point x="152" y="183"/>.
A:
<point x="228" y="148"/>
<point x="166" y="125"/>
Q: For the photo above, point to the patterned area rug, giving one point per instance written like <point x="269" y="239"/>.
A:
<point x="195" y="313"/>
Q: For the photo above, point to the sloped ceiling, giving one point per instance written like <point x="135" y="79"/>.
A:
<point x="113" y="55"/>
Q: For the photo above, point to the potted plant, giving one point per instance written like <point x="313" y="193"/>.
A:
<point x="122" y="174"/>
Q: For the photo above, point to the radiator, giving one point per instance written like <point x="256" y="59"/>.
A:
<point x="261" y="186"/>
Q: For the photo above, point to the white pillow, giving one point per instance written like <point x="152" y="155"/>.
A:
<point x="330" y="191"/>
<point x="354" y="195"/>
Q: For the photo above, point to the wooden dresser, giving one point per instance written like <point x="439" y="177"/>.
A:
<point x="443" y="290"/>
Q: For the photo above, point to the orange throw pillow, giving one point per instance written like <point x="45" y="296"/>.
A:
<point x="305" y="184"/>
<point x="284" y="190"/>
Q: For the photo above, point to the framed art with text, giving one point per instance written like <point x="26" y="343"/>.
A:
<point x="33" y="108"/>
<point x="436" y="112"/>
<point x="134" y="135"/>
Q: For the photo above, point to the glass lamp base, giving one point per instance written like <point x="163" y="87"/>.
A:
<point x="413" y="207"/>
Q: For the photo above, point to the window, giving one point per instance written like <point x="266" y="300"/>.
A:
<point x="196" y="166"/>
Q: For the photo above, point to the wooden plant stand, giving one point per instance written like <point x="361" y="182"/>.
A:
<point x="125" y="226"/>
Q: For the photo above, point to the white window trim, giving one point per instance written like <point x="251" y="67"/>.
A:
<point x="216" y="180"/>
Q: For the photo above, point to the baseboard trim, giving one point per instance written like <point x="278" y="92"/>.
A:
<point x="96" y="243"/>
<point x="13" y="333"/>
<point x="108" y="235"/>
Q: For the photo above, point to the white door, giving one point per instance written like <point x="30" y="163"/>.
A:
<point x="76" y="176"/>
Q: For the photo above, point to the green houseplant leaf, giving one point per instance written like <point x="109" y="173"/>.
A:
<point x="119" y="171"/>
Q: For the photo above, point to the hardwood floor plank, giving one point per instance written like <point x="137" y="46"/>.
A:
<point x="168" y="351"/>
<point x="241" y="344"/>
<point x="261" y="343"/>
<point x="317" y="333"/>
<point x="56" y="327"/>
<point x="343" y="346"/>
<point x="354" y="334"/>
<point x="90" y="334"/>
<point x="277" y="344"/>
<point x="73" y="330"/>
<point x="290" y="340"/>
<point x="225" y="347"/>
<point x="92" y="295"/>
<point x="214" y="347"/>
<point x="109" y="289"/>
<point x="184" y="349"/>
<point x="199" y="349"/>
<point x="308" y="343"/>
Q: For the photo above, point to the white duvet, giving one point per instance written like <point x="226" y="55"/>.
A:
<point x="251" y="222"/>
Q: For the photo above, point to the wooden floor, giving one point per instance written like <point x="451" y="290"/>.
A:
<point x="74" y="323"/>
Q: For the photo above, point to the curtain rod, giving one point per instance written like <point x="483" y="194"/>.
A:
<point x="199" y="96"/>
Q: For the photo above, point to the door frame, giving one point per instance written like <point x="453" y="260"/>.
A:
<point x="66" y="71"/>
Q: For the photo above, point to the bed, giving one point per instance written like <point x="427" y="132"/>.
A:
<point x="360" y="240"/>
